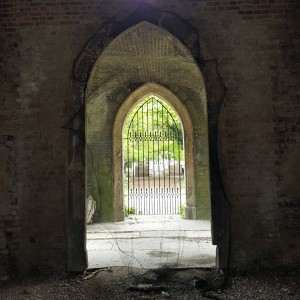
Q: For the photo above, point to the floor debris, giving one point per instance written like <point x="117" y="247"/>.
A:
<point x="129" y="284"/>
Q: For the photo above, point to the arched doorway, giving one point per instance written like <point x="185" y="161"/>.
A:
<point x="114" y="89"/>
<point x="147" y="91"/>
<point x="172" y="65"/>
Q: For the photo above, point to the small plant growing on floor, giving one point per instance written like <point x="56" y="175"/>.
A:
<point x="129" y="211"/>
<point x="181" y="210"/>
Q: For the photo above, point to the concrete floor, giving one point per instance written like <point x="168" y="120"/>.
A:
<point x="151" y="242"/>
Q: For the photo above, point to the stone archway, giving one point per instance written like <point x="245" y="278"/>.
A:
<point x="166" y="95"/>
<point x="127" y="63"/>
<point x="187" y="45"/>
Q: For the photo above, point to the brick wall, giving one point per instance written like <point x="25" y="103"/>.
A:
<point x="9" y="229"/>
<point x="256" y="45"/>
<point x="35" y="13"/>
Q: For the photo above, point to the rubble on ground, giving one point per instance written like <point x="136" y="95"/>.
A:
<point x="128" y="284"/>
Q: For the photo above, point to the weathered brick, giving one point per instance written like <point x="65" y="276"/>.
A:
<point x="259" y="129"/>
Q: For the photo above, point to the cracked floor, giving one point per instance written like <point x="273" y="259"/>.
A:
<point x="150" y="242"/>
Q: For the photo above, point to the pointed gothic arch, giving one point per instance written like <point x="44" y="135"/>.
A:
<point x="187" y="39"/>
<point x="166" y="95"/>
<point x="171" y="65"/>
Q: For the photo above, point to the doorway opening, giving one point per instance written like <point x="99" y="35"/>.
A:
<point x="154" y="188"/>
<point x="109" y="91"/>
<point x="153" y="160"/>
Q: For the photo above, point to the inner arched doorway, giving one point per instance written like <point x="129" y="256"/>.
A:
<point x="142" y="95"/>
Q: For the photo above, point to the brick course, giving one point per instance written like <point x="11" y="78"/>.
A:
<point x="35" y="13"/>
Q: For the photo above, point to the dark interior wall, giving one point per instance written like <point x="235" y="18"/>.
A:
<point x="256" y="49"/>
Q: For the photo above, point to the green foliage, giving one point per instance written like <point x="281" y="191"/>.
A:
<point x="152" y="131"/>
<point x="129" y="211"/>
<point x="181" y="210"/>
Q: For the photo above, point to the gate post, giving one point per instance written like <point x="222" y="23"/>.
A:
<point x="190" y="212"/>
